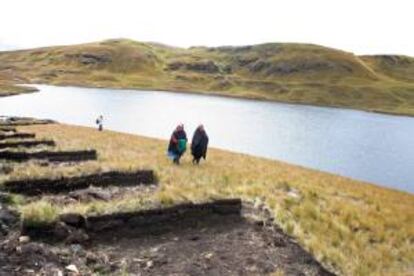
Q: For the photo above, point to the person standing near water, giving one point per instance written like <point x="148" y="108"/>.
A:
<point x="199" y="144"/>
<point x="99" y="122"/>
<point x="178" y="144"/>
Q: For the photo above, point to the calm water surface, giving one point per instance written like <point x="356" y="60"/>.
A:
<point x="366" y="146"/>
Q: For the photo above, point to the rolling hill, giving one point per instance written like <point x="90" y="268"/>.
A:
<point x="284" y="72"/>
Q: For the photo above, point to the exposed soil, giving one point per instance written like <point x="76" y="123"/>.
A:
<point x="27" y="144"/>
<point x="7" y="129"/>
<point x="52" y="156"/>
<point x="217" y="245"/>
<point x="8" y="218"/>
<point x="22" y="121"/>
<point x="5" y="168"/>
<point x="97" y="193"/>
<point x="66" y="184"/>
<point x="17" y="136"/>
<point x="197" y="242"/>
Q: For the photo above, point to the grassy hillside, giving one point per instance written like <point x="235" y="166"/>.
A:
<point x="354" y="227"/>
<point x="286" y="72"/>
<point x="8" y="87"/>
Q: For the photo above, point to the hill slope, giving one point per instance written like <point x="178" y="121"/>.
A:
<point x="286" y="72"/>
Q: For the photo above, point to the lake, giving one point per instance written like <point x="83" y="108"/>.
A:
<point x="366" y="146"/>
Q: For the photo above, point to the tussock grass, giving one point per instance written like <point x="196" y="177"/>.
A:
<point x="355" y="228"/>
<point x="39" y="213"/>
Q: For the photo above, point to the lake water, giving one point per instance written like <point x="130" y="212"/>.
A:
<point x="372" y="147"/>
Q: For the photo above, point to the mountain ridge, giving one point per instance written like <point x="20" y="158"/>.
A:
<point x="283" y="72"/>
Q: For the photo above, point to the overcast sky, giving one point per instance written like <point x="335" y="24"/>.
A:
<point x="360" y="26"/>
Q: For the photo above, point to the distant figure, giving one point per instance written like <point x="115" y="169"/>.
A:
<point x="99" y="122"/>
<point x="199" y="144"/>
<point x="178" y="144"/>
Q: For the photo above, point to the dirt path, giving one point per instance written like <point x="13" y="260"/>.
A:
<point x="216" y="244"/>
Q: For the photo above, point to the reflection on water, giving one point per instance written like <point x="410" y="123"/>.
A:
<point x="372" y="147"/>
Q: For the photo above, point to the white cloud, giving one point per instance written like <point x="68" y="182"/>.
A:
<point x="353" y="25"/>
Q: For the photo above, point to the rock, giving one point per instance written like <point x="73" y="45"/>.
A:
<point x="91" y="58"/>
<point x="394" y="59"/>
<point x="76" y="248"/>
<point x="208" y="256"/>
<point x="149" y="264"/>
<point x="291" y="66"/>
<point x="96" y="258"/>
<point x="91" y="258"/>
<point x="72" y="219"/>
<point x="72" y="268"/>
<point x="293" y="193"/>
<point x="102" y="195"/>
<point x="206" y="66"/>
<point x="91" y="194"/>
<point x="37" y="250"/>
<point x="78" y="236"/>
<point x="57" y="272"/>
<point x="61" y="230"/>
<point x="24" y="239"/>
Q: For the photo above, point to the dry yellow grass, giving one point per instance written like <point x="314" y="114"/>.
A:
<point x="283" y="72"/>
<point x="354" y="227"/>
<point x="8" y="89"/>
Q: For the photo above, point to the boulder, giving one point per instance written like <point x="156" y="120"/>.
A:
<point x="24" y="239"/>
<point x="72" y="268"/>
<point x="73" y="219"/>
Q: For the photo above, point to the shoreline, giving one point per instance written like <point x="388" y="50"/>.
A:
<point x="242" y="154"/>
<point x="226" y="95"/>
<point x="249" y="155"/>
<point x="268" y="159"/>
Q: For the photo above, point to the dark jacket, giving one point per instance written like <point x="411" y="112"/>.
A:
<point x="199" y="144"/>
<point x="173" y="145"/>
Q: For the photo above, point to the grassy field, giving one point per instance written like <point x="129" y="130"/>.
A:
<point x="353" y="227"/>
<point x="7" y="89"/>
<point x="8" y="85"/>
<point x="284" y="72"/>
